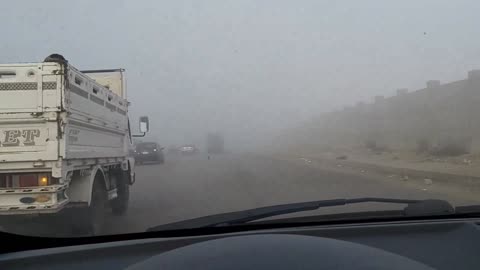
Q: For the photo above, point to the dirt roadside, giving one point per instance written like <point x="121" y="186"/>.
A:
<point x="462" y="187"/>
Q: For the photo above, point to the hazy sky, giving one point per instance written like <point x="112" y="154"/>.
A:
<point x="248" y="68"/>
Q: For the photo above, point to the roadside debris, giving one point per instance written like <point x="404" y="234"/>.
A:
<point x="342" y="157"/>
<point x="306" y="160"/>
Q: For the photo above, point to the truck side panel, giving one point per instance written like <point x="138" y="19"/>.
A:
<point x="96" y="122"/>
<point x="86" y="140"/>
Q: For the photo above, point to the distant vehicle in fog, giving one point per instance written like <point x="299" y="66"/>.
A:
<point x="188" y="149"/>
<point x="215" y="143"/>
<point x="149" y="152"/>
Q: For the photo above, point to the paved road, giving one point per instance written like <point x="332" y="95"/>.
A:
<point x="191" y="187"/>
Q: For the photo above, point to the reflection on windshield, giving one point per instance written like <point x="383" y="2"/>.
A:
<point x="255" y="103"/>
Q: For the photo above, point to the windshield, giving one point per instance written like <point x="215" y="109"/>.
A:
<point x="257" y="103"/>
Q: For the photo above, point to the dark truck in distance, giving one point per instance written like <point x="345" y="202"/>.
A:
<point x="215" y="143"/>
<point x="149" y="152"/>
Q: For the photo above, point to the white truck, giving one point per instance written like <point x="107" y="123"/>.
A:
<point x="64" y="142"/>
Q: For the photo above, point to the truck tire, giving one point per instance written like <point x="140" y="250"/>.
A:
<point x="120" y="204"/>
<point x="90" y="221"/>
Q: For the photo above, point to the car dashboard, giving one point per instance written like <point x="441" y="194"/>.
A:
<point x="427" y="244"/>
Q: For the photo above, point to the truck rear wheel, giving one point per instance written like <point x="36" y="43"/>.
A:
<point x="120" y="204"/>
<point x="90" y="220"/>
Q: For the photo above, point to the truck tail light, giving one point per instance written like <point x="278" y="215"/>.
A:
<point x="3" y="181"/>
<point x="43" y="180"/>
<point x="33" y="180"/>
<point x="28" y="180"/>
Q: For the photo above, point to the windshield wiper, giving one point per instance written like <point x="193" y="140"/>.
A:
<point x="413" y="208"/>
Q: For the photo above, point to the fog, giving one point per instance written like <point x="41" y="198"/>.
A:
<point x="248" y="69"/>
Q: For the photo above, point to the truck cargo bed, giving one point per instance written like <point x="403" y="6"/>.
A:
<point x="64" y="136"/>
<point x="52" y="111"/>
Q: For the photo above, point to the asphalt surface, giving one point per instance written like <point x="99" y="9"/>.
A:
<point x="195" y="186"/>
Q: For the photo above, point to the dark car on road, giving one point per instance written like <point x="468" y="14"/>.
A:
<point x="149" y="152"/>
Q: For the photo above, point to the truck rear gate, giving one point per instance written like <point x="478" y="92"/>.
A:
<point x="30" y="88"/>
<point x="30" y="96"/>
